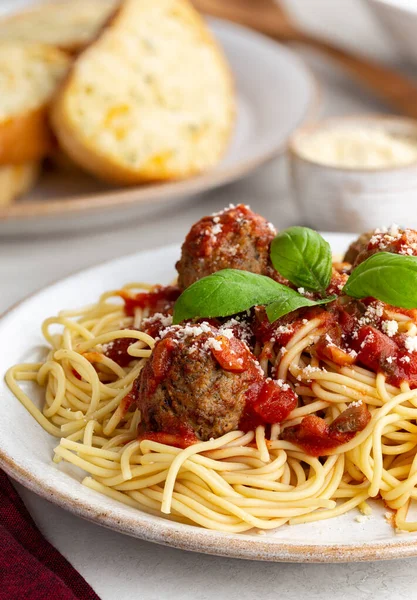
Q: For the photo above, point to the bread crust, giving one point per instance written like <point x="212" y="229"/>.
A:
<point x="107" y="167"/>
<point x="25" y="132"/>
<point x="71" y="46"/>
<point x="16" y="180"/>
<point x="26" y="137"/>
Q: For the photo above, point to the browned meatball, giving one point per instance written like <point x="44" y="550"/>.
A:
<point x="236" y="238"/>
<point x="394" y="240"/>
<point x="196" y="381"/>
<point x="357" y="247"/>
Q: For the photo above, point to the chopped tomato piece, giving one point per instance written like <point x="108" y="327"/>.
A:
<point x="376" y="350"/>
<point x="161" y="358"/>
<point x="317" y="438"/>
<point x="231" y="354"/>
<point x="404" y="369"/>
<point x="275" y="402"/>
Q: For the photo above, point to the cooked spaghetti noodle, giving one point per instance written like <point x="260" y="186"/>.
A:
<point x="241" y="480"/>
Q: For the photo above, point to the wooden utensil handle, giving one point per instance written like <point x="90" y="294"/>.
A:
<point x="270" y="19"/>
<point x="399" y="92"/>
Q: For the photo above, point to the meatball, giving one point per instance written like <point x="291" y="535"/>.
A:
<point x="196" y="380"/>
<point x="235" y="238"/>
<point x="394" y="240"/>
<point x="357" y="247"/>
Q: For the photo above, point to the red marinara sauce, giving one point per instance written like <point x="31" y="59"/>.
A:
<point x="117" y="350"/>
<point x="282" y="330"/>
<point x="267" y="402"/>
<point x="162" y="356"/>
<point x="317" y="438"/>
<point x="159" y="299"/>
<point x="380" y="353"/>
<point x="179" y="436"/>
<point x="201" y="241"/>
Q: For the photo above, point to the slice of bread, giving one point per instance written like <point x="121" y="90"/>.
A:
<point x="150" y="99"/>
<point x="69" y="25"/>
<point x="16" y="180"/>
<point x="29" y="75"/>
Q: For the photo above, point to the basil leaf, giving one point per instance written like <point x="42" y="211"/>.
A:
<point x="287" y="303"/>
<point x="391" y="278"/>
<point x="304" y="257"/>
<point x="226" y="293"/>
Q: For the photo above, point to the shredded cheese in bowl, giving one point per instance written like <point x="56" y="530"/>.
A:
<point x="358" y="146"/>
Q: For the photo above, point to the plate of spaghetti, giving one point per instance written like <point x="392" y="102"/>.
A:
<point x="259" y="400"/>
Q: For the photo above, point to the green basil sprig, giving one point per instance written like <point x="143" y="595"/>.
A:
<point x="287" y="303"/>
<point x="303" y="257"/>
<point x="232" y="291"/>
<point x="391" y="278"/>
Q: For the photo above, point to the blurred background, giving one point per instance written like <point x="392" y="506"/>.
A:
<point x="359" y="27"/>
<point x="378" y="35"/>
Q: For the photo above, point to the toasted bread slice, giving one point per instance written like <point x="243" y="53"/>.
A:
<point x="150" y="99"/>
<point x="16" y="180"/>
<point x="69" y="24"/>
<point x="29" y="75"/>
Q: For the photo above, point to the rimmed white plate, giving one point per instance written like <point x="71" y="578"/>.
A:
<point x="26" y="449"/>
<point x="275" y="94"/>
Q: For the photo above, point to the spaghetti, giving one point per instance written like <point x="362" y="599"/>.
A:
<point x="242" y="480"/>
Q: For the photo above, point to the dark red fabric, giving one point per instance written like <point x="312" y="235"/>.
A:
<point x="30" y="567"/>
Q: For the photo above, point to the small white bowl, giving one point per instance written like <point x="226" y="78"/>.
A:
<point x="399" y="18"/>
<point x="354" y="199"/>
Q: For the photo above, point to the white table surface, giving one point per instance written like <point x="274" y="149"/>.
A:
<point x="125" y="568"/>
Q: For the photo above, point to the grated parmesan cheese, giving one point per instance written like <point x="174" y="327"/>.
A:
<point x="282" y="384"/>
<point x="358" y="147"/>
<point x="389" y="327"/>
<point x="164" y="320"/>
<point x="214" y="344"/>
<point x="411" y="344"/>
<point x="227" y="332"/>
<point x="284" y="329"/>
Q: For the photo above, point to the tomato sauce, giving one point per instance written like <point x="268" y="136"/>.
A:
<point x="127" y="402"/>
<point x="159" y="299"/>
<point x="317" y="438"/>
<point x="117" y="350"/>
<point x="232" y="355"/>
<point x="330" y="346"/>
<point x="179" y="437"/>
<point x="381" y="353"/>
<point x="214" y="232"/>
<point x="161" y="363"/>
<point x="275" y="402"/>
<point x="267" y="402"/>
<point x="282" y="330"/>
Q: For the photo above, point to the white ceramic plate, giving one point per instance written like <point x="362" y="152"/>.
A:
<point x="26" y="449"/>
<point x="275" y="94"/>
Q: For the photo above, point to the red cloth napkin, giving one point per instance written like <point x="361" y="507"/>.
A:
<point x="30" y="567"/>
